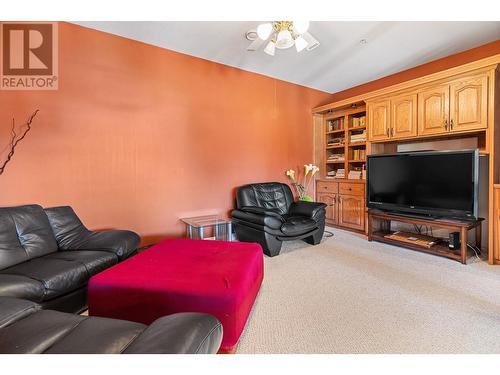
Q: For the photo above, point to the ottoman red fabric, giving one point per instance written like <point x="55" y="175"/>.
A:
<point x="215" y="277"/>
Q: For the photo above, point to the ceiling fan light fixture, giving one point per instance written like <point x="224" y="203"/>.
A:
<point x="270" y="48"/>
<point x="300" y="27"/>
<point x="284" y="39"/>
<point x="300" y="44"/>
<point x="264" y="30"/>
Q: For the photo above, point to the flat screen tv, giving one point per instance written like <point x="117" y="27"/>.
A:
<point x="431" y="183"/>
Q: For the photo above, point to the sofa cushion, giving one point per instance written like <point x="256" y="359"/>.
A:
<point x="58" y="276"/>
<point x="31" y="226"/>
<point x="98" y="335"/>
<point x="11" y="251"/>
<point x="297" y="225"/>
<point x="19" y="286"/>
<point x="37" y="332"/>
<point x="93" y="261"/>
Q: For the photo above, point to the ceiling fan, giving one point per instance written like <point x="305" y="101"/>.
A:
<point x="281" y="35"/>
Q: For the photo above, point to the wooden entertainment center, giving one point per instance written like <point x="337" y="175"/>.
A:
<point x="453" y="109"/>
<point x="380" y="233"/>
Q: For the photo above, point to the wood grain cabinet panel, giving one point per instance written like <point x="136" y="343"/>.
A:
<point x="468" y="104"/>
<point x="404" y="116"/>
<point x="434" y="110"/>
<point x="331" y="206"/>
<point x="351" y="211"/>
<point x="496" y="225"/>
<point x="379" y="120"/>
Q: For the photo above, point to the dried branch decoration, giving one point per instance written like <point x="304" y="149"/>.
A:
<point x="16" y="138"/>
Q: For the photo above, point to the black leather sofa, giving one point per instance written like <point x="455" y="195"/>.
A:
<point x="26" y="329"/>
<point x="266" y="213"/>
<point x="47" y="255"/>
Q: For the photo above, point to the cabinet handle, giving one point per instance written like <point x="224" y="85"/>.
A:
<point x="446" y="124"/>
<point x="392" y="132"/>
<point x="451" y="124"/>
<point x="388" y="132"/>
<point x="334" y="201"/>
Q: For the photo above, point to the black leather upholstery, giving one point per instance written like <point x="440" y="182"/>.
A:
<point x="267" y="214"/>
<point x="71" y="234"/>
<point x="24" y="328"/>
<point x="48" y="256"/>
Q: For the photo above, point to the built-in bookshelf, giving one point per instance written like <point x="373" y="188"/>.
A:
<point x="345" y="142"/>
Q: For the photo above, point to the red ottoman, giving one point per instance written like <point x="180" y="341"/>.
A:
<point x="215" y="277"/>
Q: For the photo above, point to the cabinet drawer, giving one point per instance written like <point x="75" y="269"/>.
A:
<point x="327" y="187"/>
<point x="351" y="189"/>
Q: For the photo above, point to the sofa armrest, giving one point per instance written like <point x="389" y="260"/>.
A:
<point x="71" y="234"/>
<point x="183" y="333"/>
<point x="14" y="309"/>
<point x="309" y="209"/>
<point x="120" y="242"/>
<point x="271" y="221"/>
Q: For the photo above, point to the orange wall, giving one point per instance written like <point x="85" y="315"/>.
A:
<point x="138" y="136"/>
<point x="444" y="63"/>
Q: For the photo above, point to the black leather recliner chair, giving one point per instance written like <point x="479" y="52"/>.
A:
<point x="26" y="329"/>
<point x="47" y="255"/>
<point x="266" y="213"/>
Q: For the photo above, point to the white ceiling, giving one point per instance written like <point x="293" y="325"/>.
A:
<point x="340" y="62"/>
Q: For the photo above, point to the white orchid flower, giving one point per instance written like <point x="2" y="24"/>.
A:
<point x="291" y="173"/>
<point x="307" y="168"/>
<point x="314" y="170"/>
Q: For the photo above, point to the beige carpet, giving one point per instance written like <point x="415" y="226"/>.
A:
<point x="348" y="295"/>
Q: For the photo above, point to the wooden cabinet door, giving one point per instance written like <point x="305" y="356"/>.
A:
<point x="434" y="110"/>
<point x="404" y="116"/>
<point x="379" y="120"/>
<point x="331" y="206"/>
<point x="468" y="104"/>
<point x="351" y="211"/>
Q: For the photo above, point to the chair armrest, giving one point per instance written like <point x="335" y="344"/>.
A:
<point x="272" y="221"/>
<point x="309" y="209"/>
<point x="14" y="309"/>
<point x="183" y="333"/>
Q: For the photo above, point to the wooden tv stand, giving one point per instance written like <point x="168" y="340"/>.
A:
<point x="441" y="249"/>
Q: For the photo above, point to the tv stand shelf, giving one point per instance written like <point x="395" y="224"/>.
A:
<point x="441" y="249"/>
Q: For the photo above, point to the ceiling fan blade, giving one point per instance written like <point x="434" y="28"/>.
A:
<point x="256" y="44"/>
<point x="312" y="42"/>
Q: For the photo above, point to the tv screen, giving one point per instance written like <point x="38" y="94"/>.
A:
<point x="433" y="183"/>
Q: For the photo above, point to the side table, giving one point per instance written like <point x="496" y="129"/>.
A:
<point x="195" y="227"/>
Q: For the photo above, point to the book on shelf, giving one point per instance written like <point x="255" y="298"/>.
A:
<point x="358" y="154"/>
<point x="354" y="175"/>
<point x="358" y="122"/>
<point x="336" y="141"/>
<point x="335" y="124"/>
<point x="336" y="157"/>
<point x="360" y="137"/>
<point x="340" y="173"/>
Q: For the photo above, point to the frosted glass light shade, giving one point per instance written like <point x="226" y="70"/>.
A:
<point x="264" y="30"/>
<point x="284" y="39"/>
<point x="300" y="27"/>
